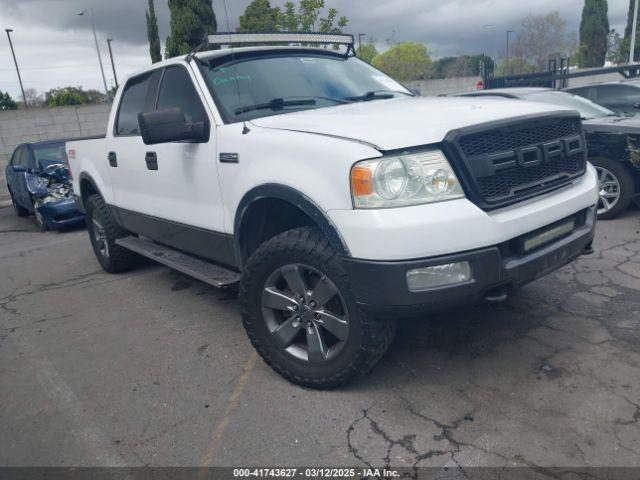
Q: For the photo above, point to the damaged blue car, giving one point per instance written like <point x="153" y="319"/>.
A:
<point x="39" y="183"/>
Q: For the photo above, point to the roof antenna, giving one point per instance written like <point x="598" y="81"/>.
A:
<point x="245" y="127"/>
<point x="192" y="54"/>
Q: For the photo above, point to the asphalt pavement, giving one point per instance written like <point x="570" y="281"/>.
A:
<point x="154" y="368"/>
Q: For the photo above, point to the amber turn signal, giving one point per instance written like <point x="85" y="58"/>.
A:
<point x="361" y="181"/>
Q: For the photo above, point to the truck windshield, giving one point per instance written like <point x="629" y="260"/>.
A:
<point x="588" y="110"/>
<point x="260" y="86"/>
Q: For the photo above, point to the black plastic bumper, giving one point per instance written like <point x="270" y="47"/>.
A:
<point x="381" y="287"/>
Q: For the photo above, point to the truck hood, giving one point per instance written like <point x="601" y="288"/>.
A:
<point x="402" y="122"/>
<point x="628" y="125"/>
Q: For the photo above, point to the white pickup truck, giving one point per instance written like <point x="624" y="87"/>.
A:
<point x="338" y="199"/>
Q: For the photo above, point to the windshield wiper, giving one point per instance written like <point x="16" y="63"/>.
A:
<point x="377" y="95"/>
<point x="280" y="103"/>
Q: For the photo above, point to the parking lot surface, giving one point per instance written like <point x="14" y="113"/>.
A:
<point x="153" y="368"/>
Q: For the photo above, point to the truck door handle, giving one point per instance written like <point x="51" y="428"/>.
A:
<point x="113" y="159"/>
<point x="152" y="160"/>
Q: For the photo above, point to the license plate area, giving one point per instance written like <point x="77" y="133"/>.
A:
<point x="546" y="235"/>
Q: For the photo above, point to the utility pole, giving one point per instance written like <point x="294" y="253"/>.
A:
<point x="24" y="97"/>
<point x="632" y="50"/>
<point x="95" y="39"/>
<point x="113" y="65"/>
<point x="360" y="35"/>
<point x="509" y="32"/>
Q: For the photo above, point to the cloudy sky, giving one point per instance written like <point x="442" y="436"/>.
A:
<point x="55" y="47"/>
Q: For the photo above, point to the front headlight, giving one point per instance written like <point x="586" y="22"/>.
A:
<point x="403" y="180"/>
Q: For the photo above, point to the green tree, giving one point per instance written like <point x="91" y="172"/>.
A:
<point x="594" y="34"/>
<point x="615" y="53"/>
<point x="307" y="18"/>
<point x="462" y="66"/>
<point x="59" y="97"/>
<point x="190" y="21"/>
<point x="6" y="102"/>
<point x="540" y="37"/>
<point x="259" y="17"/>
<point x="517" y="65"/>
<point x="404" y="61"/>
<point x="625" y="45"/>
<point x="152" y="33"/>
<point x="67" y="96"/>
<point x="367" y="52"/>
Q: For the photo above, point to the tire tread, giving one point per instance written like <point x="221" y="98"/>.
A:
<point x="377" y="333"/>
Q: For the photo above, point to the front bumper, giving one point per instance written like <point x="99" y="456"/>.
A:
<point x="60" y="214"/>
<point x="381" y="287"/>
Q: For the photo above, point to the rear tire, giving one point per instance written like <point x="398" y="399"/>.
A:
<point x="318" y="344"/>
<point x="103" y="233"/>
<point x="20" y="211"/>
<point x="617" y="187"/>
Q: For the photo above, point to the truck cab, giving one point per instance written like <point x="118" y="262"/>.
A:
<point x="338" y="199"/>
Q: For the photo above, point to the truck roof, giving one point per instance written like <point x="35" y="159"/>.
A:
<point x="209" y="54"/>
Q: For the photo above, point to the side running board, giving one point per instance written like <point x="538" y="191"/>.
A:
<point x="182" y="262"/>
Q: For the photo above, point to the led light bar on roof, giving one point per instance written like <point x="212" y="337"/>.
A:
<point x="271" y="38"/>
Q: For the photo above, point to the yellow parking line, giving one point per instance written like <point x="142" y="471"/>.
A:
<point x="234" y="401"/>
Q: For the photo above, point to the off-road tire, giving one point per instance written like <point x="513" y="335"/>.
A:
<point x="368" y="338"/>
<point x="119" y="259"/>
<point x="626" y="181"/>
<point x="20" y="211"/>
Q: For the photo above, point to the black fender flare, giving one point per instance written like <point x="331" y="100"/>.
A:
<point x="86" y="177"/>
<point x="295" y="198"/>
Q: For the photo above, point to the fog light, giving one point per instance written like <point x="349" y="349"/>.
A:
<point x="438" y="276"/>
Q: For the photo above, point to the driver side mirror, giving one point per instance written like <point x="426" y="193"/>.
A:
<point x="19" y="168"/>
<point x="636" y="105"/>
<point x="170" y="125"/>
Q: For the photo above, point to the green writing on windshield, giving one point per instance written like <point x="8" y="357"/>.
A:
<point x="234" y="78"/>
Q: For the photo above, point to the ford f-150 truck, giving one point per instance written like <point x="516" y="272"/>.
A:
<point x="338" y="199"/>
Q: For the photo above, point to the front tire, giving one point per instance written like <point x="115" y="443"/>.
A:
<point x="103" y="233"/>
<point x="301" y="316"/>
<point x="617" y="187"/>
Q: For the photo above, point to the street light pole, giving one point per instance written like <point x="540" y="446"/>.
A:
<point x="113" y="65"/>
<point x="360" y="35"/>
<point x="24" y="97"/>
<point x="95" y="39"/>
<point x="632" y="50"/>
<point x="509" y="32"/>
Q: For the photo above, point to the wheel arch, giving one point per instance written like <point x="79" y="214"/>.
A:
<point x="261" y="202"/>
<point x="88" y="187"/>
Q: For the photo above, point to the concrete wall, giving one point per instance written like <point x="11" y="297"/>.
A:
<point x="468" y="84"/>
<point x="444" y="86"/>
<point x="19" y="126"/>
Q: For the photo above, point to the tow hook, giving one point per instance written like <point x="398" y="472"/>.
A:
<point x="588" y="250"/>
<point x="496" y="295"/>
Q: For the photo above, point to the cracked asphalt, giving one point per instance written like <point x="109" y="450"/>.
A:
<point x="153" y="368"/>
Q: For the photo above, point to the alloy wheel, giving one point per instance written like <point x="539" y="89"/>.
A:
<point x="305" y="313"/>
<point x="100" y="238"/>
<point x="609" y="190"/>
